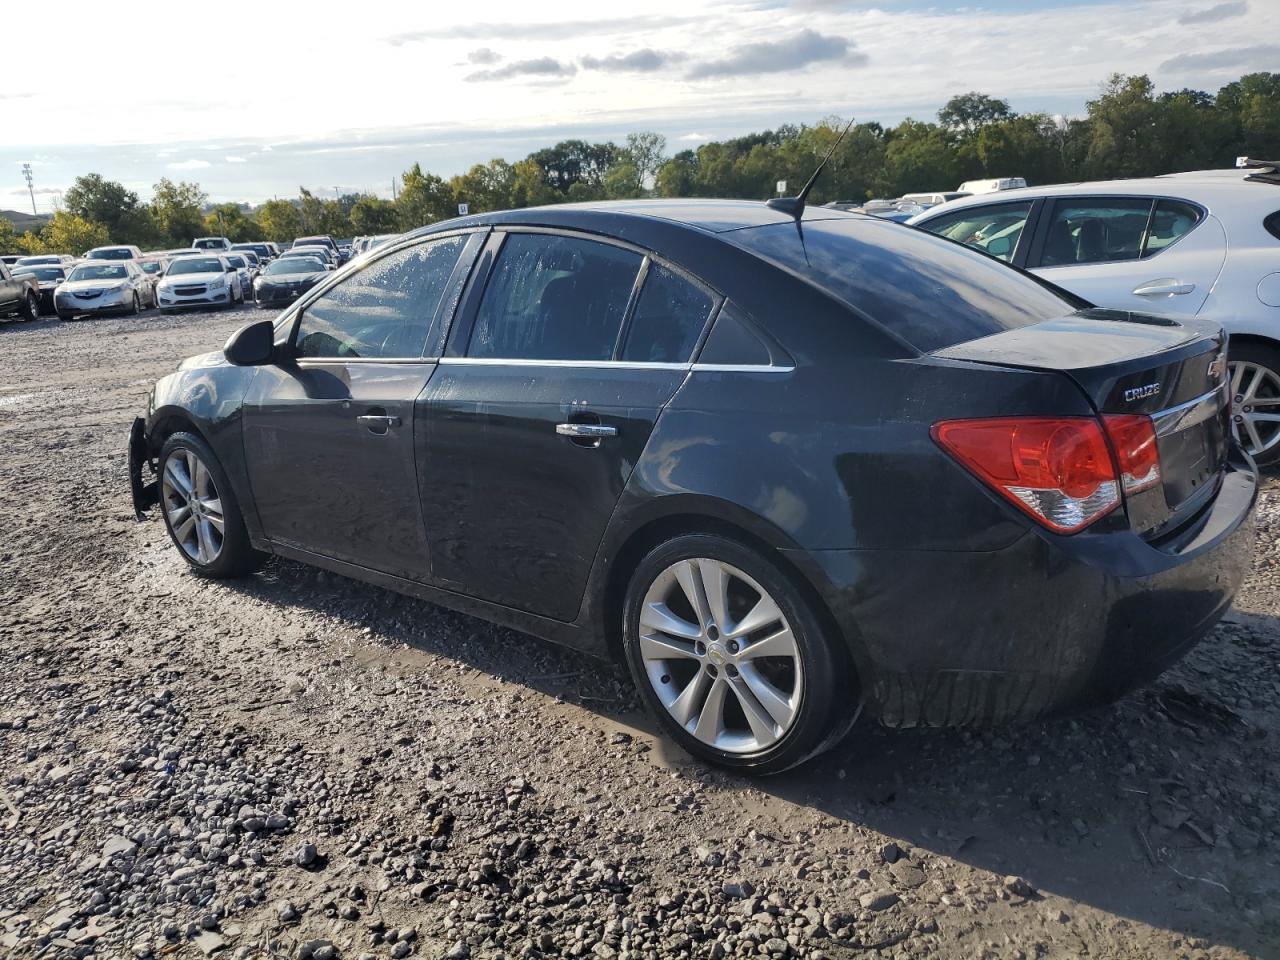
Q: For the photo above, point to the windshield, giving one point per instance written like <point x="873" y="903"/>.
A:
<point x="312" y="242"/>
<point x="98" y="273"/>
<point x="194" y="265"/>
<point x="318" y="252"/>
<point x="111" y="253"/>
<point x="150" y="266"/>
<point x="49" y="273"/>
<point x="236" y="260"/>
<point x="208" y="244"/>
<point x="931" y="292"/>
<point x="294" y="265"/>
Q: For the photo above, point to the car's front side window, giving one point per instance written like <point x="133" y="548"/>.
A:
<point x="994" y="228"/>
<point x="1095" y="230"/>
<point x="552" y="297"/>
<point x="383" y="311"/>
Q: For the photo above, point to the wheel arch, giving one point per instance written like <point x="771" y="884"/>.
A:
<point x="694" y="516"/>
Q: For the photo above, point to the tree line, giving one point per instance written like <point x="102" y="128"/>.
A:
<point x="1128" y="131"/>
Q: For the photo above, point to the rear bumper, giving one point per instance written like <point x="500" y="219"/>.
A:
<point x="145" y="489"/>
<point x="967" y="639"/>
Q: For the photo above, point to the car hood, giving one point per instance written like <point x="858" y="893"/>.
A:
<point x="91" y="284"/>
<point x="290" y="277"/>
<point x="181" y="278"/>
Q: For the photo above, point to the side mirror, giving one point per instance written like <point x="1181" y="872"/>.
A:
<point x="252" y="345"/>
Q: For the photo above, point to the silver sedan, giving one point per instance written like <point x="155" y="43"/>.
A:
<point x="104" y="286"/>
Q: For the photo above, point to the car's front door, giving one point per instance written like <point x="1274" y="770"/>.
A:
<point x="329" y="434"/>
<point x="1132" y="253"/>
<point x="553" y="380"/>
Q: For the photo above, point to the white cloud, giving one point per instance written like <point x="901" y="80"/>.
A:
<point x="236" y="160"/>
<point x="694" y="136"/>
<point x="189" y="165"/>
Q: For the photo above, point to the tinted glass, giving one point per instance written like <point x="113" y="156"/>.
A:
<point x="194" y="265"/>
<point x="49" y="273"/>
<point x="554" y="298"/>
<point x="1171" y="219"/>
<point x="1095" y="230"/>
<point x="385" y="310"/>
<point x="668" y="319"/>
<point x="236" y="260"/>
<point x="732" y="341"/>
<point x="114" y="272"/>
<point x="993" y="229"/>
<point x="931" y="293"/>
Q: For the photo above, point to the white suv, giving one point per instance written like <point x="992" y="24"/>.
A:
<point x="1205" y="243"/>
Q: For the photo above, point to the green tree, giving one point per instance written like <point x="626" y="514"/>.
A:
<point x="424" y="198"/>
<point x="576" y="161"/>
<point x="1253" y="105"/>
<point x="646" y="151"/>
<point x="69" y="233"/>
<point x="623" y="181"/>
<point x="529" y="186"/>
<point x="1125" y="127"/>
<point x="175" y="212"/>
<point x="919" y="156"/>
<point x="484" y="188"/>
<point x="278" y="221"/>
<point x="966" y="114"/>
<point x="228" y="220"/>
<point x="678" y="176"/>
<point x="8" y="236"/>
<point x="372" y="215"/>
<point x="98" y="200"/>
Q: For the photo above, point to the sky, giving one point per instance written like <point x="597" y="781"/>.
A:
<point x="255" y="100"/>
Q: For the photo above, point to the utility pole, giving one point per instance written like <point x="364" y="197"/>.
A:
<point x="394" y="195"/>
<point x="26" y="173"/>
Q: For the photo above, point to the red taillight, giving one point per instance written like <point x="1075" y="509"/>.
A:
<point x="1057" y="469"/>
<point x="1133" y="438"/>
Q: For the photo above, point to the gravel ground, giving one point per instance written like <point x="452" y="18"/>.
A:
<point x="299" y="765"/>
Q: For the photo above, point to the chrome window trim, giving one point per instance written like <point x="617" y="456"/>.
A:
<point x="617" y="365"/>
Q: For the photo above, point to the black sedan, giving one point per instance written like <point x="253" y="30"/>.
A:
<point x="786" y="469"/>
<point x="284" y="281"/>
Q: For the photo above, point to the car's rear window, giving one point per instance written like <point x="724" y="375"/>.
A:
<point x="929" y="291"/>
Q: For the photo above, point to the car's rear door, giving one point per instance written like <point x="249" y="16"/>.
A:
<point x="329" y="435"/>
<point x="565" y="354"/>
<point x="1151" y="254"/>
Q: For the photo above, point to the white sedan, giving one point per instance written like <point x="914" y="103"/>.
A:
<point x="199" y="281"/>
<point x="1199" y="244"/>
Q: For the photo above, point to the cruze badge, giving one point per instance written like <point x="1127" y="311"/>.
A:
<point x="1141" y="393"/>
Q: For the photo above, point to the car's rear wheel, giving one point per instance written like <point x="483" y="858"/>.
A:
<point x="729" y="654"/>
<point x="201" y="512"/>
<point x="1255" y="400"/>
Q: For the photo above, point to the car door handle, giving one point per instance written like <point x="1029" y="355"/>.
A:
<point x="592" y="431"/>
<point x="1163" y="288"/>
<point x="378" y="423"/>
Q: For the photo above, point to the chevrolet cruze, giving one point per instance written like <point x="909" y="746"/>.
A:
<point x="787" y="466"/>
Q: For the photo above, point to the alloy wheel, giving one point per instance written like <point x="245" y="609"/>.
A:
<point x="1255" y="408"/>
<point x="720" y="655"/>
<point x="192" y="505"/>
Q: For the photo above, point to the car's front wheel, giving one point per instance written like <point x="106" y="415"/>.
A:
<point x="30" y="308"/>
<point x="730" y="656"/>
<point x="201" y="512"/>
<point x="1255" y="400"/>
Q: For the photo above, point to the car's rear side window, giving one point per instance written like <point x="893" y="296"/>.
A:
<point x="669" y="318"/>
<point x="930" y="292"/>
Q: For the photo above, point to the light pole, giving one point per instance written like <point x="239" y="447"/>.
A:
<point x="26" y="173"/>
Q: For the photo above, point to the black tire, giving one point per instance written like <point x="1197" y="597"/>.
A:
<point x="65" y="317"/>
<point x="829" y="700"/>
<point x="1268" y="357"/>
<point x="236" y="556"/>
<point x="30" y="307"/>
<point x="137" y="306"/>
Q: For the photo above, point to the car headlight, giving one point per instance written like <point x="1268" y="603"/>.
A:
<point x="218" y="282"/>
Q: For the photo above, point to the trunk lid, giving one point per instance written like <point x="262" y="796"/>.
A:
<point x="1173" y="370"/>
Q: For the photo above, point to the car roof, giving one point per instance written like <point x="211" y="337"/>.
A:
<point x="1215" y="189"/>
